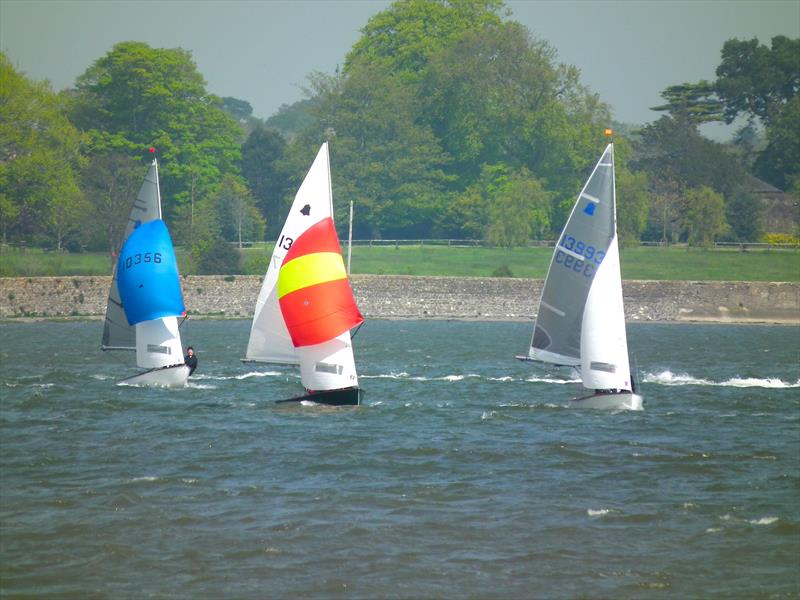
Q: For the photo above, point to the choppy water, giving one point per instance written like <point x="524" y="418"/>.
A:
<point x="464" y="475"/>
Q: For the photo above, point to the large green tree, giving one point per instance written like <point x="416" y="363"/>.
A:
<point x="383" y="159"/>
<point x="435" y="95"/>
<point x="763" y="83"/>
<point x="262" y="167"/>
<point x="757" y="81"/>
<point x="40" y="160"/>
<point x="693" y="102"/>
<point x="677" y="158"/>
<point x="704" y="216"/>
<point x="110" y="183"/>
<point x="402" y="38"/>
<point x="779" y="163"/>
<point x="519" y="210"/>
<point x="137" y="96"/>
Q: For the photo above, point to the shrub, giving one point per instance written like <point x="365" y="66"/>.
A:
<point x="218" y="258"/>
<point x="780" y="238"/>
<point x="502" y="271"/>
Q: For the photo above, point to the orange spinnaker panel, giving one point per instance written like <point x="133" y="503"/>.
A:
<point x="316" y="301"/>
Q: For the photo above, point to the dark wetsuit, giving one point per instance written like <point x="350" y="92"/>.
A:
<point x="191" y="362"/>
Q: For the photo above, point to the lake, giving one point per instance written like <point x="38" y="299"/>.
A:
<point x="463" y="475"/>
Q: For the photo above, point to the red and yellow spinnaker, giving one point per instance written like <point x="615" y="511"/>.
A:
<point x="316" y="301"/>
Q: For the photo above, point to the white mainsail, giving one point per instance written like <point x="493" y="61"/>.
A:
<point x="581" y="317"/>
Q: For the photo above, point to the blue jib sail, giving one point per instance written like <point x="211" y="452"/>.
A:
<point x="147" y="274"/>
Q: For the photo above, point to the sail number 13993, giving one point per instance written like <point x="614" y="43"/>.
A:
<point x="591" y="256"/>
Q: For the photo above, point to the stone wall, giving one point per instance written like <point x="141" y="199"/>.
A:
<point x="407" y="297"/>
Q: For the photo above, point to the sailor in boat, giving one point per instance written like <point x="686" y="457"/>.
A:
<point x="190" y="360"/>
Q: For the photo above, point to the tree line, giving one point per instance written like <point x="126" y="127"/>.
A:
<point x="447" y="119"/>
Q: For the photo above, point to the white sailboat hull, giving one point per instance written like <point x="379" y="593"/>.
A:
<point x="615" y="401"/>
<point x="173" y="376"/>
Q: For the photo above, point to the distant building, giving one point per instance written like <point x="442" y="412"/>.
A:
<point x="781" y="210"/>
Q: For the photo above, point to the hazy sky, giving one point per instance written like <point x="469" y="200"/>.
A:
<point x="261" y="51"/>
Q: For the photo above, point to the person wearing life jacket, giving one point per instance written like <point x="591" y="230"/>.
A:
<point x="190" y="360"/>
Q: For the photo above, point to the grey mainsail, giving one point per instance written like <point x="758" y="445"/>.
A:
<point x="117" y="333"/>
<point x="578" y="254"/>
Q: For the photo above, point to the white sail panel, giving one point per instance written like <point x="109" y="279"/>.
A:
<point x="117" y="333"/>
<point x="269" y="339"/>
<point x="328" y="366"/>
<point x="604" y="345"/>
<point x="158" y="343"/>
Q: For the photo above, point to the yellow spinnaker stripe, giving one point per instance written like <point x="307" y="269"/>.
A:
<point x="310" y="269"/>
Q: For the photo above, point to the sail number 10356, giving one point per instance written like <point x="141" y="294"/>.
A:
<point x="139" y="258"/>
<point x="590" y="257"/>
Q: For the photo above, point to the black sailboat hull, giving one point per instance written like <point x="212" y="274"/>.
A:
<point x="342" y="397"/>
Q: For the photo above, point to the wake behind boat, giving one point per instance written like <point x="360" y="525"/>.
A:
<point x="581" y="319"/>
<point x="145" y="297"/>
<point x="305" y="308"/>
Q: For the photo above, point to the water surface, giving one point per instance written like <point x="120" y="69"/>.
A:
<point x="464" y="475"/>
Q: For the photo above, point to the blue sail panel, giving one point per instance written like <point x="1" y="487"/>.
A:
<point x="147" y="275"/>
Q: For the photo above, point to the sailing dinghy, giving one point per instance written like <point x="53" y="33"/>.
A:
<point x="305" y="308"/>
<point x="145" y="297"/>
<point x="581" y="318"/>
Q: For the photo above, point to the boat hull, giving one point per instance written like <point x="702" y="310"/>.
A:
<point x="173" y="376"/>
<point x="350" y="396"/>
<point x="610" y="401"/>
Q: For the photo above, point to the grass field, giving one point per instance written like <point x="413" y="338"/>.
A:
<point x="659" y="263"/>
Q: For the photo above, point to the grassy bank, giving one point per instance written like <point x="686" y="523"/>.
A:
<point x="637" y="263"/>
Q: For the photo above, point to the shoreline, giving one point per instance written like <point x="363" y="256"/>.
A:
<point x="406" y="297"/>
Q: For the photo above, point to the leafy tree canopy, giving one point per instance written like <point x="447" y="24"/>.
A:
<point x="756" y="80"/>
<point x="39" y="161"/>
<point x="405" y="36"/>
<point x="696" y="103"/>
<point x="137" y="96"/>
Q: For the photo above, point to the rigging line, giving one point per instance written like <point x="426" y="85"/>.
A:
<point x="360" y="325"/>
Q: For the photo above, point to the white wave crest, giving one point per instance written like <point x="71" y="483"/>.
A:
<point x="763" y="521"/>
<point x="597" y="513"/>
<point x="144" y="478"/>
<point x="401" y="375"/>
<point x="769" y="382"/>
<point x="667" y="377"/>
<point x="257" y="374"/>
<point x="200" y="386"/>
